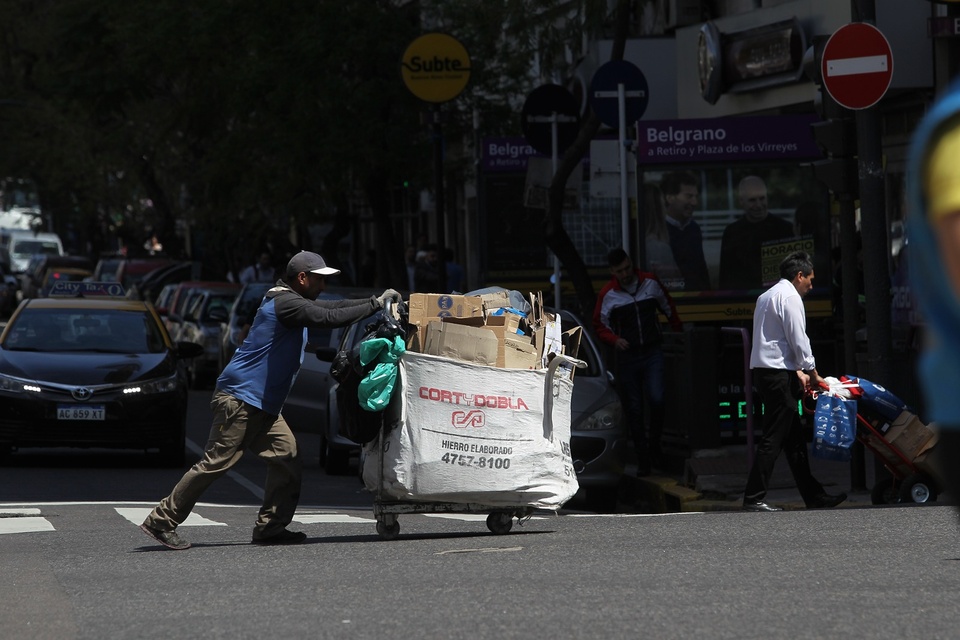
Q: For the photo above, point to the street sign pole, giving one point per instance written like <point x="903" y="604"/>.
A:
<point x="624" y="208"/>
<point x="436" y="69"/>
<point x="622" y="81"/>
<point x="873" y="228"/>
<point x="621" y="95"/>
<point x="440" y="212"/>
<point x="555" y="163"/>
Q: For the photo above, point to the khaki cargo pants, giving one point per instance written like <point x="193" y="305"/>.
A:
<point x="238" y="426"/>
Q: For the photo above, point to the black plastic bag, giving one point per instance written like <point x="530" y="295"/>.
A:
<point x="356" y="423"/>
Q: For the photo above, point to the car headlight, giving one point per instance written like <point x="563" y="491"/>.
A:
<point x="160" y="385"/>
<point x="17" y="385"/>
<point x="609" y="416"/>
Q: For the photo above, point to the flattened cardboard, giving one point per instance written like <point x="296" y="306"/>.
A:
<point x="552" y="339"/>
<point x="461" y="342"/>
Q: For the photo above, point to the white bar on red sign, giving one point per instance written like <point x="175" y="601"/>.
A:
<point x="857" y="66"/>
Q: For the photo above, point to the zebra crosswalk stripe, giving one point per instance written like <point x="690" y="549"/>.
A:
<point x="27" y="520"/>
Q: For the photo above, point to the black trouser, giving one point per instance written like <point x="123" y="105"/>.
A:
<point x="782" y="431"/>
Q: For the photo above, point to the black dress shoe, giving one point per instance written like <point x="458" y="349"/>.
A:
<point x="826" y="501"/>
<point x="758" y="505"/>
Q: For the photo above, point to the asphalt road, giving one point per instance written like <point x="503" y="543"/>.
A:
<point x="76" y="566"/>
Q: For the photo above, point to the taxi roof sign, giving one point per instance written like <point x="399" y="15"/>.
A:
<point x="63" y="288"/>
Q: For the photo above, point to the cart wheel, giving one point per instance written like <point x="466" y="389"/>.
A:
<point x="918" y="489"/>
<point x="500" y="522"/>
<point x="884" y="492"/>
<point x="388" y="531"/>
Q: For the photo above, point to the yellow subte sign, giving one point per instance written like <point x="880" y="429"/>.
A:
<point x="435" y="67"/>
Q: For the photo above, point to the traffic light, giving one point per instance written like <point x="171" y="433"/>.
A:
<point x="835" y="134"/>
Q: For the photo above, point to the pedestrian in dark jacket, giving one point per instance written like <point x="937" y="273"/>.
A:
<point x="249" y="397"/>
<point x="626" y="318"/>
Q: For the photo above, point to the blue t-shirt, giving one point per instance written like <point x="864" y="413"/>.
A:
<point x="264" y="368"/>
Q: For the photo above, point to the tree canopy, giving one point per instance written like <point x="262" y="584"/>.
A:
<point x="245" y="120"/>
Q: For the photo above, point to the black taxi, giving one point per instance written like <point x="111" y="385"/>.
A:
<point x="87" y="367"/>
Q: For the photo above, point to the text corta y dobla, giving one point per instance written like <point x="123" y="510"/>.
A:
<point x="473" y="399"/>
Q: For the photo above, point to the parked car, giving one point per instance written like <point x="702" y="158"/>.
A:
<point x="182" y="297"/>
<point x="132" y="270"/>
<point x="38" y="271"/>
<point x="92" y="371"/>
<point x="311" y="403"/>
<point x="17" y="245"/>
<point x="54" y="275"/>
<point x="107" y="267"/>
<point x="8" y="292"/>
<point x="202" y="324"/>
<point x="162" y="303"/>
<point x="241" y="315"/>
<point x="176" y="272"/>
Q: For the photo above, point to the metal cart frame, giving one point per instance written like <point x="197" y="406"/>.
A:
<point x="907" y="482"/>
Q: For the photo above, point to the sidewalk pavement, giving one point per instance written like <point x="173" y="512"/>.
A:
<point x="713" y="480"/>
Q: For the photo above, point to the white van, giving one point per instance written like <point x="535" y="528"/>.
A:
<point x="17" y="246"/>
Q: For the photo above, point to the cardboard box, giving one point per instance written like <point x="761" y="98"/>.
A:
<point x="461" y="342"/>
<point x="507" y="328"/>
<point x="519" y="353"/>
<point x="424" y="306"/>
<point x="909" y="435"/>
<point x="508" y="322"/>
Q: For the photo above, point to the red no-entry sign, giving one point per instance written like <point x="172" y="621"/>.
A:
<point x="857" y="65"/>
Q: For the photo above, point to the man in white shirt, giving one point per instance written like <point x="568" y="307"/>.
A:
<point x="783" y="367"/>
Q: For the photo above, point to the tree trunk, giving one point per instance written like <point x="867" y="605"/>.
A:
<point x="556" y="236"/>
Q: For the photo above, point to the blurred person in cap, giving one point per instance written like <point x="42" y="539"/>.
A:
<point x="933" y="233"/>
<point x="248" y="399"/>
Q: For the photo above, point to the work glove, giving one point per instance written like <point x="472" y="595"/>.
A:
<point x="389" y="295"/>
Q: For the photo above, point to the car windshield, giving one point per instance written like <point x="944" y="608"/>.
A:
<point x="90" y="330"/>
<point x="221" y="301"/>
<point x="29" y="247"/>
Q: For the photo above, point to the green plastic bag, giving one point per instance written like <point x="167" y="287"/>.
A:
<point x="376" y="387"/>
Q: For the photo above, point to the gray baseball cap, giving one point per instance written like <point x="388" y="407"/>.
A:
<point x="309" y="262"/>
